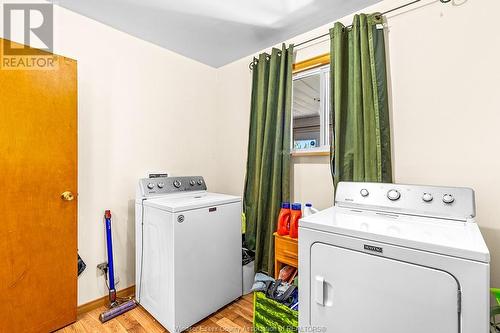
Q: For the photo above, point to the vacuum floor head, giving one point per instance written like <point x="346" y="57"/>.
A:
<point x="117" y="310"/>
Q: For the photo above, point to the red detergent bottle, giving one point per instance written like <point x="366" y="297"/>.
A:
<point x="284" y="219"/>
<point x="295" y="216"/>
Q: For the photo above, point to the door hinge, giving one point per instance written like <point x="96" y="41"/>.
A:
<point x="459" y="301"/>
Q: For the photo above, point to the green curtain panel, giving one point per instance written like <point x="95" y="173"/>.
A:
<point x="361" y="149"/>
<point x="268" y="164"/>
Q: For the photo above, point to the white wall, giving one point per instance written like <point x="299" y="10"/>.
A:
<point x="140" y="108"/>
<point x="444" y="72"/>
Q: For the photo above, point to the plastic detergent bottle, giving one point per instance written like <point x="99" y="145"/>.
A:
<point x="284" y="219"/>
<point x="309" y="210"/>
<point x="295" y="216"/>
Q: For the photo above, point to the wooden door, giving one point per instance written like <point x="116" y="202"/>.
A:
<point x="38" y="228"/>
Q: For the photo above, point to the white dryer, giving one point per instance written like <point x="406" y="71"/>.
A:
<point x="392" y="258"/>
<point x="188" y="250"/>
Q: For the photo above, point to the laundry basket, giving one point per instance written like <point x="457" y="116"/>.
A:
<point x="271" y="316"/>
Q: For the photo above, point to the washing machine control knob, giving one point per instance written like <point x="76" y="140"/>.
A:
<point x="364" y="192"/>
<point x="161" y="185"/>
<point x="177" y="183"/>
<point x="448" y="198"/>
<point x="192" y="182"/>
<point x="427" y="197"/>
<point x="200" y="182"/>
<point x="151" y="186"/>
<point x="393" y="195"/>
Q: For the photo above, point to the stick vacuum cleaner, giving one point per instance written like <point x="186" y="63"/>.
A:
<point x="117" y="305"/>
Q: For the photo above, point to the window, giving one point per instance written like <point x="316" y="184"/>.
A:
<point x="310" y="111"/>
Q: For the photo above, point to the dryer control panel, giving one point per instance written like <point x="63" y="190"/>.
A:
<point x="165" y="185"/>
<point x="454" y="203"/>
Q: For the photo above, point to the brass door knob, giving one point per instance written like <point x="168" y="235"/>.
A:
<point x="68" y="196"/>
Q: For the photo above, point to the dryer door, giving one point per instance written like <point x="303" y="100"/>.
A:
<point x="353" y="291"/>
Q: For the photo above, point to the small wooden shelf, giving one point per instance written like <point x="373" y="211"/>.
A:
<point x="286" y="252"/>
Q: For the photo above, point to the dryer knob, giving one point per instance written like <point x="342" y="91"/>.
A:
<point x="427" y="197"/>
<point x="200" y="182"/>
<point x="177" y="184"/>
<point x="364" y="192"/>
<point x="393" y="195"/>
<point x="151" y="186"/>
<point x="448" y="198"/>
<point x="161" y="185"/>
<point x="192" y="182"/>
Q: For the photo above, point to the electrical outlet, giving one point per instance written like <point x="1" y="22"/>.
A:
<point x="102" y="268"/>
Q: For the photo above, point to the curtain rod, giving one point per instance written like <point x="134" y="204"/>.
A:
<point x="383" y="13"/>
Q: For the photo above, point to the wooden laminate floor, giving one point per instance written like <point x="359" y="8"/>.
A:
<point x="235" y="318"/>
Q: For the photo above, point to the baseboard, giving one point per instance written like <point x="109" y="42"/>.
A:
<point x="92" y="305"/>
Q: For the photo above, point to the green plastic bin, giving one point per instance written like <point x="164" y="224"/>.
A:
<point x="495" y="311"/>
<point x="271" y="316"/>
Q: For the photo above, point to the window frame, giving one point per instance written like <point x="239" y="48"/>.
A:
<point x="314" y="66"/>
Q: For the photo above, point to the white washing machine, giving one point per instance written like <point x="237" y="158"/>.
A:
<point x="188" y="250"/>
<point x="392" y="258"/>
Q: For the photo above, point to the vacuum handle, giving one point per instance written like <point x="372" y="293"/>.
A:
<point x="109" y="242"/>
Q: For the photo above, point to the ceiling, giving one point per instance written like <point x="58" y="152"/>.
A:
<point x="215" y="32"/>
<point x="306" y="96"/>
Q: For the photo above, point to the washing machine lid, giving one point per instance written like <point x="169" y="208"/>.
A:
<point x="190" y="201"/>
<point x="452" y="238"/>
